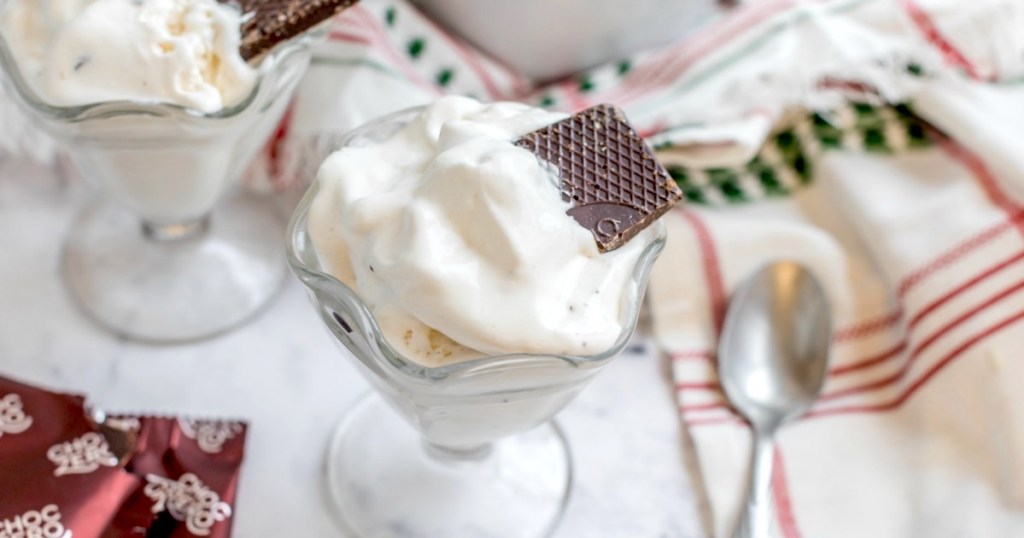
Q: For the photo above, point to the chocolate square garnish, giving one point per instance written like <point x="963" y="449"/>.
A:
<point x="268" y="23"/>
<point x="610" y="175"/>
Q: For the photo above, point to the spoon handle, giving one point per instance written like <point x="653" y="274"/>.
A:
<point x="755" y="521"/>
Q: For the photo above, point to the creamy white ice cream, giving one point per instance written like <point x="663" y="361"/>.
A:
<point x="183" y="52"/>
<point x="460" y="243"/>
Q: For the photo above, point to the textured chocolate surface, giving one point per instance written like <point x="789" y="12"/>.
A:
<point x="609" y="174"/>
<point x="268" y="23"/>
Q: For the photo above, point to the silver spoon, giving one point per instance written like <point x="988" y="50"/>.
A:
<point x="772" y="361"/>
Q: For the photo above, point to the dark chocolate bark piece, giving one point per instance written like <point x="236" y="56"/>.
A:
<point x="610" y="175"/>
<point x="268" y="23"/>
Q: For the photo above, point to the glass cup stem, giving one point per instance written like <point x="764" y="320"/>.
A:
<point x="457" y="456"/>
<point x="181" y="231"/>
<point x="387" y="479"/>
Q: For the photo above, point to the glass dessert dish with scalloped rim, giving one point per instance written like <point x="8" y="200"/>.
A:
<point x="163" y="255"/>
<point x="464" y="449"/>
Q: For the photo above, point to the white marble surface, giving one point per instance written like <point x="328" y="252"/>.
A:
<point x="282" y="373"/>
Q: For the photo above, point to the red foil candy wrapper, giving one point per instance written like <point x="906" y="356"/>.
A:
<point x="64" y="474"/>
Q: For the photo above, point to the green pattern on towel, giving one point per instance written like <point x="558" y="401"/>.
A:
<point x="786" y="161"/>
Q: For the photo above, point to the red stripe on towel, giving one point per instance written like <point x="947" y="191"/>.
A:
<point x="948" y="359"/>
<point x="960" y="320"/>
<point x="875" y="360"/>
<point x="914" y="278"/>
<point x="868" y="328"/>
<point x="719" y="404"/>
<point x="696" y="355"/>
<point x="783" y="502"/>
<point x="670" y="64"/>
<point x="915" y="354"/>
<point x="573" y="97"/>
<point x="338" y="35"/>
<point x="383" y="43"/>
<point x="713" y="421"/>
<point x="983" y="175"/>
<point x="686" y="385"/>
<point x="934" y="305"/>
<point x="712" y="268"/>
<point x="931" y="32"/>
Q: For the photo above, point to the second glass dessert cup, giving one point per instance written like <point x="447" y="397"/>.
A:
<point x="462" y="450"/>
<point x="164" y="256"/>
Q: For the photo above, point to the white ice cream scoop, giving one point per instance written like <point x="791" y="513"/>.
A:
<point x="79" y="52"/>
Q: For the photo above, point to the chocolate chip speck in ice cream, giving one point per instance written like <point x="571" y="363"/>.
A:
<point x="460" y="243"/>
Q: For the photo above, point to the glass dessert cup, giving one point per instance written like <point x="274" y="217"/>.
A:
<point x="163" y="255"/>
<point x="466" y="449"/>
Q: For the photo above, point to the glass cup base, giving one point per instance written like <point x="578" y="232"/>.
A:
<point x="160" y="289"/>
<point x="384" y="481"/>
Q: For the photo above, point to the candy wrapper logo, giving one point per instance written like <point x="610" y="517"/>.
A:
<point x="43" y="523"/>
<point x="12" y="416"/>
<point x="210" y="435"/>
<point x="81" y="456"/>
<point x="188" y="500"/>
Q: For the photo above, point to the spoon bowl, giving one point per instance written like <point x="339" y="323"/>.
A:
<point x="772" y="362"/>
<point x="775" y="343"/>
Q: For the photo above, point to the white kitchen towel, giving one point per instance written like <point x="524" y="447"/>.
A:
<point x="917" y="229"/>
<point x="708" y="100"/>
<point x="921" y="429"/>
